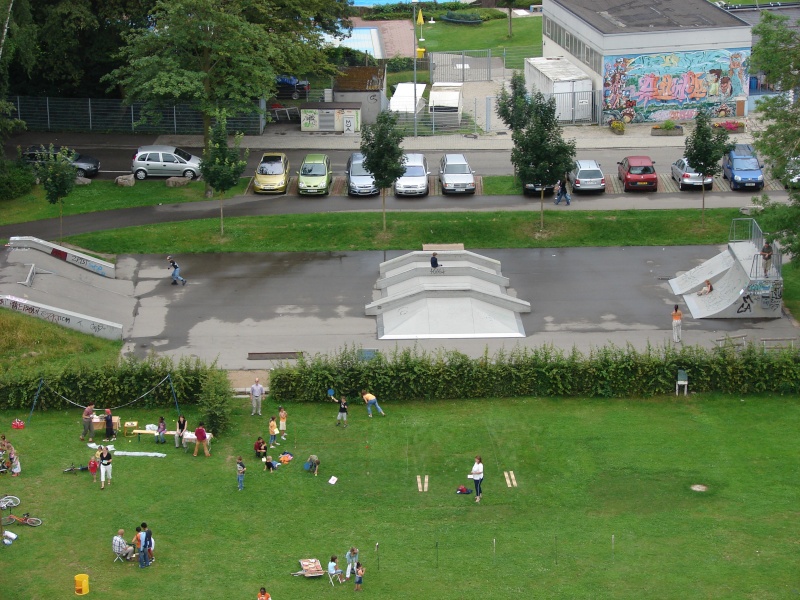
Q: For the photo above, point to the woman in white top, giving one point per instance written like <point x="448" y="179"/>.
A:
<point x="477" y="477"/>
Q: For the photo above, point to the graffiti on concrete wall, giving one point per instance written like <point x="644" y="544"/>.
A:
<point x="656" y="87"/>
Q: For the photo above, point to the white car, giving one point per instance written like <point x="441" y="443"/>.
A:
<point x="455" y="175"/>
<point x="687" y="177"/>
<point x="414" y="182"/>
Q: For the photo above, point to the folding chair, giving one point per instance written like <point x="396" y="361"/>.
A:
<point x="330" y="578"/>
<point x="119" y="556"/>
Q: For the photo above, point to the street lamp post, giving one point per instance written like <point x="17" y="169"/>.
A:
<point x="414" y="31"/>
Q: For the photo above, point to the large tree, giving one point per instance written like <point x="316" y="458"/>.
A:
<point x="540" y="154"/>
<point x="214" y="54"/>
<point x="222" y="166"/>
<point x="704" y="148"/>
<point x="777" y="55"/>
<point x="383" y="155"/>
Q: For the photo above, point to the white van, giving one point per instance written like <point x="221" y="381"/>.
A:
<point x="414" y="182"/>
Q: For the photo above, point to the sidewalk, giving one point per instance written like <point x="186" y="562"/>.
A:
<point x="587" y="137"/>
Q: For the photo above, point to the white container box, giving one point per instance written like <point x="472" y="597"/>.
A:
<point x="558" y="77"/>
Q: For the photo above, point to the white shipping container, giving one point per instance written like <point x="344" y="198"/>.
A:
<point x="558" y="77"/>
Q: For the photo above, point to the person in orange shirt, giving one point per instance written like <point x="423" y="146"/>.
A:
<point x="263" y="594"/>
<point x="677" y="317"/>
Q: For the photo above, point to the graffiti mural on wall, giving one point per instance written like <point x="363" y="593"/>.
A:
<point x="656" y="87"/>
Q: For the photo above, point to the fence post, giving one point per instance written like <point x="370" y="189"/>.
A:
<point x="47" y="104"/>
<point x="174" y="119"/>
<point x="90" y="114"/>
<point x="19" y="110"/>
<point x="133" y="120"/>
<point x="488" y="127"/>
<point x="490" y="63"/>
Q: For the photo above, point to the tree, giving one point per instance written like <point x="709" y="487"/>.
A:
<point x="57" y="175"/>
<point x="705" y="146"/>
<point x="383" y="156"/>
<point x="540" y="154"/>
<point x="222" y="166"/>
<point x="514" y="106"/>
<point x="509" y="6"/>
<point x="777" y="55"/>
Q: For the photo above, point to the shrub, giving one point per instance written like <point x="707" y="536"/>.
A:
<point x="215" y="400"/>
<point x="16" y="179"/>
<point x="617" y="125"/>
<point x="730" y="125"/>
<point x="668" y="125"/>
<point x="609" y="372"/>
<point x="399" y="63"/>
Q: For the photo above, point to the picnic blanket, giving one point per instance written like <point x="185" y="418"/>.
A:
<point x="310" y="567"/>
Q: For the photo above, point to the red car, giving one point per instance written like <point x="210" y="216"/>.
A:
<point x="637" y="173"/>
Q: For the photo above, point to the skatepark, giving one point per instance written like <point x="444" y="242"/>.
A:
<point x="236" y="306"/>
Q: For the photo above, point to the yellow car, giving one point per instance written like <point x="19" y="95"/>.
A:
<point x="272" y="174"/>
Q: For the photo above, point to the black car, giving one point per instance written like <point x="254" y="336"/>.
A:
<point x="291" y="87"/>
<point x="86" y="166"/>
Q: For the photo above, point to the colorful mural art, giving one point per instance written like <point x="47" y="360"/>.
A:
<point x="656" y="87"/>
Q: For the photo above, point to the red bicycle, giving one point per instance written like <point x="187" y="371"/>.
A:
<point x="25" y="519"/>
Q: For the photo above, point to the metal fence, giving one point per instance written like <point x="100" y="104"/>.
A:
<point x="467" y="65"/>
<point x="112" y="116"/>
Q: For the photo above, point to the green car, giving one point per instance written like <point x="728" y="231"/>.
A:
<point x="315" y="175"/>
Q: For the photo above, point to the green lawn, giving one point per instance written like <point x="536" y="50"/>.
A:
<point x="105" y="195"/>
<point x="586" y="471"/>
<point x="442" y="36"/>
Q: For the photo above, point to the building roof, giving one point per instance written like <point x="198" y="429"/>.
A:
<point x="636" y="16"/>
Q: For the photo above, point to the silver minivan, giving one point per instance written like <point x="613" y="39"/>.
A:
<point x="455" y="175"/>
<point x="414" y="182"/>
<point x="164" y="161"/>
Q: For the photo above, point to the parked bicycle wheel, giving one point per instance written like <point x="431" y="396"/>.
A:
<point x="9" y="502"/>
<point x="33" y="521"/>
<point x="9" y="520"/>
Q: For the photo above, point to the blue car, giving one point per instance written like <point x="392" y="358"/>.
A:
<point x="742" y="168"/>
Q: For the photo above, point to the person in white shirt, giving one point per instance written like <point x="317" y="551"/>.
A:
<point x="477" y="477"/>
<point x="122" y="547"/>
<point x="256" y="393"/>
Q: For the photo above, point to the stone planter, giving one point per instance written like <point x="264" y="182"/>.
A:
<point x="617" y="131"/>
<point x="737" y="130"/>
<point x="677" y="131"/>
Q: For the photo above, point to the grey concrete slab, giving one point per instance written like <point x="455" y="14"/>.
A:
<point x="314" y="302"/>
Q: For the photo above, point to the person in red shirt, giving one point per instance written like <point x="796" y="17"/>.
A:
<point x="202" y="438"/>
<point x="263" y="594"/>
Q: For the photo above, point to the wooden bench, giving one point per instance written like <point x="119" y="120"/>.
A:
<point x="138" y="433"/>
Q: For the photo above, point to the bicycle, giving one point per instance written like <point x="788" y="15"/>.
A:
<point x="73" y="469"/>
<point x="25" y="519"/>
<point x="8" y="502"/>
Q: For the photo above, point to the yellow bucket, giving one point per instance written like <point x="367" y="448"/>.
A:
<point x="81" y="584"/>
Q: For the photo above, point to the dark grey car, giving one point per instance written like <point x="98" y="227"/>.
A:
<point x="85" y="166"/>
<point x="360" y="182"/>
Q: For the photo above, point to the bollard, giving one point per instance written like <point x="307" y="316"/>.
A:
<point x="81" y="584"/>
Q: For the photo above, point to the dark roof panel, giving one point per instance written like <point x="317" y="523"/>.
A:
<point x="635" y="16"/>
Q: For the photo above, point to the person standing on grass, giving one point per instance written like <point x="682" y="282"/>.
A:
<point x="273" y="433"/>
<point x="282" y="414"/>
<point x="144" y="558"/>
<point x="176" y="271"/>
<point x="263" y="594"/>
<point x="110" y="436"/>
<point x="359" y="576"/>
<point x="93" y="466"/>
<point x="88" y="425"/>
<point x="677" y="319"/>
<point x="105" y="466"/>
<point x="240" y="471"/>
<point x="136" y="542"/>
<point x="342" y="416"/>
<point x="477" y="477"/>
<point x="256" y="394"/>
<point x="201" y="439"/>
<point x="371" y="401"/>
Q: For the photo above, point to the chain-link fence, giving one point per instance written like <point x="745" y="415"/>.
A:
<point x="112" y="116"/>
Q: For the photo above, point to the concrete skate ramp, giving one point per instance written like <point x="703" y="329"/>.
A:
<point x="466" y="297"/>
<point x="724" y="300"/>
<point x="712" y="269"/>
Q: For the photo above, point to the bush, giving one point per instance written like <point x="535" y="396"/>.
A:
<point x="16" y="179"/>
<point x="399" y="64"/>
<point x="667" y="125"/>
<point x="617" y="125"/>
<point x="730" y="125"/>
<point x="215" y="401"/>
<point x="608" y="372"/>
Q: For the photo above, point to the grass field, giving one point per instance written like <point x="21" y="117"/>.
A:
<point x="586" y="471"/>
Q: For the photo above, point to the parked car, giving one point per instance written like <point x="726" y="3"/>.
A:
<point x="687" y="177"/>
<point x="164" y="161"/>
<point x="292" y="87"/>
<point x="85" y="166"/>
<point x="531" y="188"/>
<point x="455" y="175"/>
<point x="637" y="173"/>
<point x="360" y="182"/>
<point x="272" y="174"/>
<point x="742" y="168"/>
<point x="315" y="175"/>
<point x="414" y="182"/>
<point x="587" y="176"/>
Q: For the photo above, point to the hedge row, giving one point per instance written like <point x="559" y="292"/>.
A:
<point x="119" y="383"/>
<point x="610" y="372"/>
